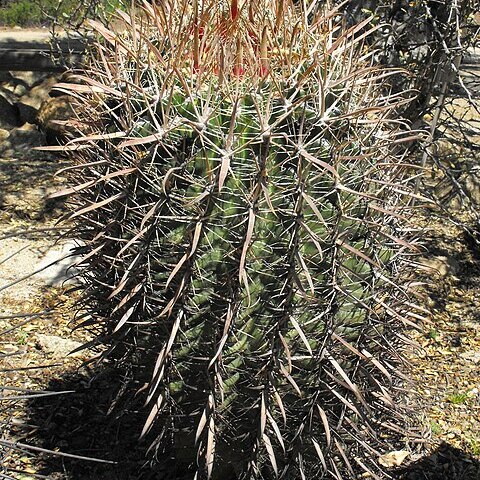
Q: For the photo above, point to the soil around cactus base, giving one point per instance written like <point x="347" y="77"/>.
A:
<point x="446" y="366"/>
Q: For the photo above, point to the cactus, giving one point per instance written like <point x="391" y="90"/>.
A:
<point x="239" y="213"/>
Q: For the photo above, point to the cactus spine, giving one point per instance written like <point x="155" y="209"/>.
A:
<point x="239" y="217"/>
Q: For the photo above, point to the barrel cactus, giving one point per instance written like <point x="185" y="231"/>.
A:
<point x="237" y="193"/>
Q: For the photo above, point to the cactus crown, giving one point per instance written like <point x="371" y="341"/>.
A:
<point x="240" y="219"/>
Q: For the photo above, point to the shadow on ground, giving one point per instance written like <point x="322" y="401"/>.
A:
<point x="461" y="260"/>
<point x="443" y="463"/>
<point x="78" y="424"/>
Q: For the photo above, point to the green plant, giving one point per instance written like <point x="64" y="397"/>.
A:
<point x="240" y="212"/>
<point x="22" y="337"/>
<point x="433" y="334"/>
<point x="458" y="398"/>
<point x="475" y="446"/>
<point x="435" y="428"/>
<point x="22" y="13"/>
<point x="27" y="13"/>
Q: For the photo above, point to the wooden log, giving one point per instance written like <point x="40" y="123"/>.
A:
<point x="20" y="55"/>
<point x="35" y="60"/>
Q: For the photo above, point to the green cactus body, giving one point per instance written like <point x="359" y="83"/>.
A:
<point x="234" y="254"/>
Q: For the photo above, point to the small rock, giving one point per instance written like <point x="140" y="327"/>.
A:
<point x="29" y="104"/>
<point x="8" y="95"/>
<point x="440" y="265"/>
<point x="53" y="110"/>
<point x="393" y="459"/>
<point x="15" y="88"/>
<point x="4" y="134"/>
<point x="30" y="79"/>
<point x="57" y="346"/>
